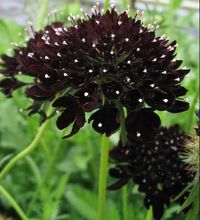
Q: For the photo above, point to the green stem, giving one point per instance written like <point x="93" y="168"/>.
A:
<point x="46" y="175"/>
<point x="27" y="150"/>
<point x="103" y="177"/>
<point x="149" y="215"/>
<point x="125" y="202"/>
<point x="106" y="5"/>
<point x="12" y="201"/>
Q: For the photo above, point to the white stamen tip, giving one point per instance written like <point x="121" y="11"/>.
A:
<point x="46" y="76"/>
<point x="119" y="23"/>
<point x="138" y="134"/>
<point x="100" y="125"/>
<point x="30" y="54"/>
<point x="86" y="94"/>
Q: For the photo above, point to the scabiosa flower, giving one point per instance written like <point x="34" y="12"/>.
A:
<point x="156" y="167"/>
<point x="102" y="62"/>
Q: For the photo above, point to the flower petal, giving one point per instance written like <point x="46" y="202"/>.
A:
<point x="132" y="100"/>
<point x="105" y="120"/>
<point x="112" y="90"/>
<point x="8" y="85"/>
<point x="39" y="94"/>
<point x="66" y="118"/>
<point x="179" y="106"/>
<point x="161" y="100"/>
<point x="89" y="97"/>
<point x="65" y="101"/>
<point x="142" y="125"/>
<point x="78" y="123"/>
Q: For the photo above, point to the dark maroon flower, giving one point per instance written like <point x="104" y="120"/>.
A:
<point x="106" y="57"/>
<point x="89" y="97"/>
<point x="106" y="120"/>
<point x="71" y="113"/>
<point x="8" y="85"/>
<point x="156" y="167"/>
<point x="142" y="125"/>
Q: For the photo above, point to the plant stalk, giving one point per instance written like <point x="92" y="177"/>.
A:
<point x="103" y="177"/>
<point x="125" y="202"/>
<point x="149" y="215"/>
<point x="12" y="201"/>
<point x="28" y="149"/>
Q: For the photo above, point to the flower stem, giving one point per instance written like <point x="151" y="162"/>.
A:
<point x="149" y="215"/>
<point x="47" y="173"/>
<point x="124" y="202"/>
<point x="28" y="149"/>
<point x="103" y="177"/>
<point x="13" y="203"/>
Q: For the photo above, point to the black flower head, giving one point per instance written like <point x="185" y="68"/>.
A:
<point x="110" y="58"/>
<point x="156" y="167"/>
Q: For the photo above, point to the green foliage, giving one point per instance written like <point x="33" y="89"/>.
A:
<point x="59" y="179"/>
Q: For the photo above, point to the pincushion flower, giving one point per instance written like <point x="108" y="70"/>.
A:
<point x="101" y="62"/>
<point x="156" y="167"/>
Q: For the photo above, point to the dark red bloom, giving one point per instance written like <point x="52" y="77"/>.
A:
<point x="72" y="112"/>
<point x="110" y="57"/>
<point x="156" y="167"/>
<point x="106" y="120"/>
<point x="8" y="85"/>
<point x="142" y="125"/>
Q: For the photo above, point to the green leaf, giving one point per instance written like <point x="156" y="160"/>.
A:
<point x="194" y="194"/>
<point x="85" y="203"/>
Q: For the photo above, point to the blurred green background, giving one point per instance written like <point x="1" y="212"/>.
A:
<point x="59" y="179"/>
